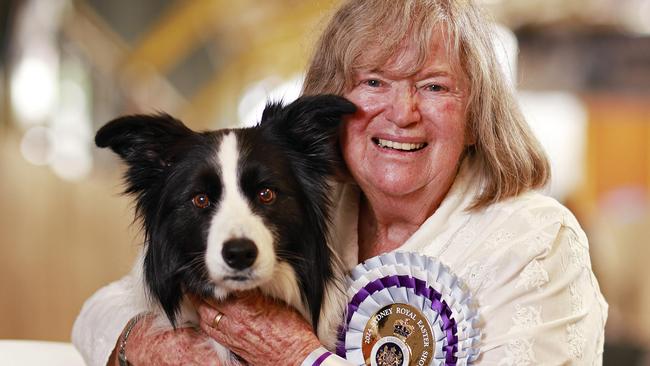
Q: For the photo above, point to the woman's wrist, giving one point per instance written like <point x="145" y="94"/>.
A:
<point x="122" y="359"/>
<point x="305" y="347"/>
<point x="118" y="356"/>
<point x="152" y="342"/>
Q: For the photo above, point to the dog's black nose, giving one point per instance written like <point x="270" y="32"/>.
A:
<point x="239" y="253"/>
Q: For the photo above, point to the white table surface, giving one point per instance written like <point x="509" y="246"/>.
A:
<point x="32" y="353"/>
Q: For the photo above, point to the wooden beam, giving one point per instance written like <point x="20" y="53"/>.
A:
<point x="275" y="45"/>
<point x="175" y="34"/>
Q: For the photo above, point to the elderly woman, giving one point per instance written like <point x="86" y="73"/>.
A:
<point x="442" y="163"/>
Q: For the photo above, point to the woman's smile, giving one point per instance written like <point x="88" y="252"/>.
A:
<point x="396" y="145"/>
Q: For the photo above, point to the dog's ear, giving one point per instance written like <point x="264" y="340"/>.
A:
<point x="146" y="143"/>
<point x="309" y="122"/>
<point x="142" y="138"/>
<point x="271" y="110"/>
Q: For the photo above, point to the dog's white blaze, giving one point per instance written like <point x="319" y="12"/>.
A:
<point x="235" y="219"/>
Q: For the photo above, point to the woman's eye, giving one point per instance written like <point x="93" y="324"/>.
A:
<point x="435" y="88"/>
<point x="266" y="196"/>
<point x="374" y="83"/>
<point x="201" y="201"/>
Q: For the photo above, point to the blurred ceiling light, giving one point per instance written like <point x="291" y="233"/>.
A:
<point x="71" y="160"/>
<point x="33" y="89"/>
<point x="40" y="19"/>
<point x="637" y="16"/>
<point x="256" y="96"/>
<point x="37" y="145"/>
<point x="559" y="120"/>
<point x="71" y="156"/>
<point x="73" y="112"/>
<point x="71" y="125"/>
<point x="34" y="69"/>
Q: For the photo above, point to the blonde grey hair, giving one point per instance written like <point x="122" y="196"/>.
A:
<point x="511" y="161"/>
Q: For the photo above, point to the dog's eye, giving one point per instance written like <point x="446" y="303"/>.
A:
<point x="266" y="196"/>
<point x="201" y="200"/>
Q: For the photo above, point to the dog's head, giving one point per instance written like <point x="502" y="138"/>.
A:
<point x="233" y="209"/>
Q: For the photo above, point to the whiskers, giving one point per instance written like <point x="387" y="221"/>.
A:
<point x="195" y="265"/>
<point x="292" y="257"/>
<point x="196" y="278"/>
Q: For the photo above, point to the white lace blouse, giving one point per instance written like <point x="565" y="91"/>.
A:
<point x="525" y="261"/>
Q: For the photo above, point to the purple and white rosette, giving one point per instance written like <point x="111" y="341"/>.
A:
<point x="422" y="284"/>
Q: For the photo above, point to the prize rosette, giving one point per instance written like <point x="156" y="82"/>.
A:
<point x="408" y="309"/>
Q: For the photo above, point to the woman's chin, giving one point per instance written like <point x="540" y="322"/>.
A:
<point x="392" y="186"/>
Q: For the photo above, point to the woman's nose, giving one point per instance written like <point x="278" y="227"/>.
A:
<point x="404" y="107"/>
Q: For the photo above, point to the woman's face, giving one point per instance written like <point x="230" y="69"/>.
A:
<point x="409" y="131"/>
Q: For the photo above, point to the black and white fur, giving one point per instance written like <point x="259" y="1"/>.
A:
<point x="236" y="209"/>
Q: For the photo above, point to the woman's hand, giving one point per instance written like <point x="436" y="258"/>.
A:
<point x="150" y="345"/>
<point x="258" y="329"/>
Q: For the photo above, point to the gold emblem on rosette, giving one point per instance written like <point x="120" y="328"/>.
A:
<point x="398" y="335"/>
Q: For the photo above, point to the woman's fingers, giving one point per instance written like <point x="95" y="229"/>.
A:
<point x="207" y="312"/>
<point x="210" y="319"/>
<point x="257" y="328"/>
<point x="232" y="322"/>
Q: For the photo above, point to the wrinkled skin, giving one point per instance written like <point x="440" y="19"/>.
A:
<point x="148" y="345"/>
<point x="244" y="329"/>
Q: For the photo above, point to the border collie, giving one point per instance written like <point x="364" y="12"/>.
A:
<point x="236" y="209"/>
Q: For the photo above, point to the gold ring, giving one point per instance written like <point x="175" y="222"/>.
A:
<point x="216" y="320"/>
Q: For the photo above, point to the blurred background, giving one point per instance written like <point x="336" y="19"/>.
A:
<point x="582" y="68"/>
